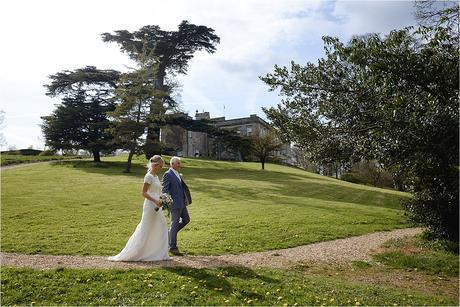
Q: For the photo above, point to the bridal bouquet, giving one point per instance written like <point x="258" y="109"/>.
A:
<point x="166" y="201"/>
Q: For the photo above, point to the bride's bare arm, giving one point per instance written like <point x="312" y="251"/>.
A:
<point x="145" y="189"/>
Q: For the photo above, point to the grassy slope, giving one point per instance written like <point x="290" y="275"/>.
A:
<point x="80" y="208"/>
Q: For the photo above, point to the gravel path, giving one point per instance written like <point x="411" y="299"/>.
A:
<point x="334" y="252"/>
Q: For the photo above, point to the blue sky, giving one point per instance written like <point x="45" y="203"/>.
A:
<point x="43" y="37"/>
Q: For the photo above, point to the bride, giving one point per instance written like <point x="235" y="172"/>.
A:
<point x="149" y="242"/>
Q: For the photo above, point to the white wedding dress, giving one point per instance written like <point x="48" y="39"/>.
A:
<point x="149" y="242"/>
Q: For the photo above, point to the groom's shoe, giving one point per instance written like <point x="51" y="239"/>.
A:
<point x="175" y="252"/>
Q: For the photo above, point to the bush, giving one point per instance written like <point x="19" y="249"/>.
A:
<point x="48" y="153"/>
<point x="432" y="241"/>
<point x="373" y="173"/>
<point x="29" y="152"/>
<point x="437" y="211"/>
<point x="354" y="178"/>
<point x="11" y="152"/>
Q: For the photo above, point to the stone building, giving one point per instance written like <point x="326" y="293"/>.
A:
<point x="197" y="144"/>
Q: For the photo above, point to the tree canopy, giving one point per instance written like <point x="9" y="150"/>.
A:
<point x="80" y="121"/>
<point x="171" y="52"/>
<point x="393" y="99"/>
<point x="174" y="49"/>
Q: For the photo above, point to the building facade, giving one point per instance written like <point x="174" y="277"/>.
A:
<point x="197" y="144"/>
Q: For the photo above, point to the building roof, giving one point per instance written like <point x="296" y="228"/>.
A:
<point x="253" y="118"/>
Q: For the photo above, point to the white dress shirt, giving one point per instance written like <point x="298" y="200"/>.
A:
<point x="177" y="174"/>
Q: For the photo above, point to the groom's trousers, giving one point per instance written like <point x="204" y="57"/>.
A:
<point x="179" y="218"/>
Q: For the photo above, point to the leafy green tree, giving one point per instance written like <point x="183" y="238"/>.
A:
<point x="80" y="121"/>
<point x="395" y="100"/>
<point x="229" y="141"/>
<point x="173" y="50"/>
<point x="431" y="13"/>
<point x="264" y="144"/>
<point x="129" y="119"/>
<point x="137" y="95"/>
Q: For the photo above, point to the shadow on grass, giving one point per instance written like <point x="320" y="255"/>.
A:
<point x="280" y="183"/>
<point x="112" y="168"/>
<point x="313" y="191"/>
<point x="284" y="184"/>
<point x="219" y="282"/>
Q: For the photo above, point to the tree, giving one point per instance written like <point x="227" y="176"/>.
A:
<point x="264" y="144"/>
<point x="302" y="159"/>
<point x="395" y="99"/>
<point x="230" y="142"/>
<point x="172" y="49"/>
<point x="136" y="94"/>
<point x="369" y="172"/>
<point x="331" y="152"/>
<point x="130" y="116"/>
<point x="80" y="121"/>
<point x="430" y="13"/>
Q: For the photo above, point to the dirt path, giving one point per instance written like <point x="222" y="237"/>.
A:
<point x="336" y="251"/>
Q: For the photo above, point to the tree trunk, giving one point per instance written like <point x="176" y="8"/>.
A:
<point x="96" y="156"/>
<point x="130" y="158"/>
<point x="153" y="131"/>
<point x="263" y="163"/>
<point x="152" y="141"/>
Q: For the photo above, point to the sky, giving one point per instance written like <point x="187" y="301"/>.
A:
<point x="41" y="38"/>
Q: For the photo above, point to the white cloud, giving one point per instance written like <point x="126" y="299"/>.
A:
<point x="374" y="16"/>
<point x="47" y="36"/>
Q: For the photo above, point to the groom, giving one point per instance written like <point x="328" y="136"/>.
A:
<point x="175" y="186"/>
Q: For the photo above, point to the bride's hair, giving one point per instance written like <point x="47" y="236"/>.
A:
<point x="156" y="159"/>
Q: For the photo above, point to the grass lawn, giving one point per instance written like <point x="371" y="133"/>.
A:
<point x="419" y="254"/>
<point x="184" y="286"/>
<point x="86" y="208"/>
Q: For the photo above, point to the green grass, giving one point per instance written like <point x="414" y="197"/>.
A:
<point x="183" y="286"/>
<point x="416" y="254"/>
<point x="86" y="208"/>
<point x="19" y="159"/>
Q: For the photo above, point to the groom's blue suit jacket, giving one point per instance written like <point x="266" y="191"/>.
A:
<point x="173" y="186"/>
